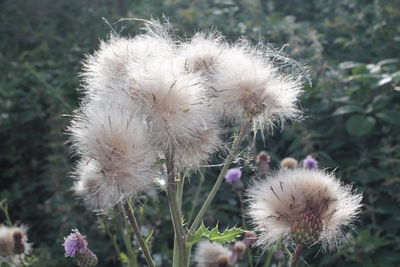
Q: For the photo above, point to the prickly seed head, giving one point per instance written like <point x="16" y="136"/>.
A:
<point x="307" y="229"/>
<point x="87" y="259"/>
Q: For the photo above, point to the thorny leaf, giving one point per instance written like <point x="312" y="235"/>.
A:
<point x="214" y="235"/>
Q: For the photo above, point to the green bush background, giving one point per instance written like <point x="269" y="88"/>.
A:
<point x="352" y="112"/>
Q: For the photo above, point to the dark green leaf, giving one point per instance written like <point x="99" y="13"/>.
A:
<point x="348" y="109"/>
<point x="389" y="116"/>
<point x="359" y="125"/>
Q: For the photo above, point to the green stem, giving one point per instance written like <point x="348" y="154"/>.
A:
<point x="4" y="208"/>
<point x="195" y="200"/>
<point x="232" y="154"/>
<point x="112" y="237"/>
<point x="131" y="254"/>
<point x="179" y="193"/>
<point x="175" y="210"/>
<point x="135" y="227"/>
<point x="245" y="226"/>
<point x="175" y="257"/>
<point x="296" y="255"/>
<point x="269" y="257"/>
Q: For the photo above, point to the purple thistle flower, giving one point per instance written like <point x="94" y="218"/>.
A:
<point x="74" y="243"/>
<point x="233" y="175"/>
<point x="310" y="163"/>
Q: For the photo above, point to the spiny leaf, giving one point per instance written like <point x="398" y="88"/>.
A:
<point x="214" y="235"/>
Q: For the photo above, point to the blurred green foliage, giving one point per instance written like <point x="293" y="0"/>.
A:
<point x="352" y="115"/>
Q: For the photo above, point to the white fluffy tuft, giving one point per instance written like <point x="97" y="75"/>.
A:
<point x="9" y="248"/>
<point x="208" y="254"/>
<point x="144" y="74"/>
<point x="277" y="202"/>
<point x="116" y="161"/>
<point x="174" y="106"/>
<point x="105" y="73"/>
<point x="201" y="53"/>
<point x="246" y="83"/>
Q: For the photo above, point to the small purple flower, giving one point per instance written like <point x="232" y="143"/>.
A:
<point x="310" y="163"/>
<point x="74" y="243"/>
<point x="233" y="175"/>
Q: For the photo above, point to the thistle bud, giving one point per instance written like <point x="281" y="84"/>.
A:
<point x="75" y="246"/>
<point x="212" y="255"/>
<point x="289" y="163"/>
<point x="249" y="238"/>
<point x="310" y="163"/>
<point x="14" y="242"/>
<point x="233" y="177"/>
<point x="239" y="248"/>
<point x="87" y="258"/>
<point x="262" y="161"/>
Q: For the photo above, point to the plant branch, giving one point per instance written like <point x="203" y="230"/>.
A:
<point x="296" y="255"/>
<point x="196" y="198"/>
<point x="232" y="154"/>
<point x="135" y="227"/>
<point x="112" y="237"/>
<point x="175" y="210"/>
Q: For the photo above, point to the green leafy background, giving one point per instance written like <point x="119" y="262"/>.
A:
<point x="352" y="115"/>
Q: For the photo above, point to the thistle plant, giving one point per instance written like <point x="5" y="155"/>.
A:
<point x="303" y="207"/>
<point x="154" y="107"/>
<point x="310" y="163"/>
<point x="76" y="246"/>
<point x="14" y="244"/>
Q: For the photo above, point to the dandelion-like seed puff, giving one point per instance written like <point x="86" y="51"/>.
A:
<point x="200" y="54"/>
<point x="115" y="160"/>
<point x="144" y="74"/>
<point x="302" y="206"/>
<point x="14" y="243"/>
<point x="105" y="72"/>
<point x="176" y="111"/>
<point x="212" y="255"/>
<point x="241" y="80"/>
<point x="246" y="84"/>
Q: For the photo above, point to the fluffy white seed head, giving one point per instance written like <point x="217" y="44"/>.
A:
<point x="245" y="83"/>
<point x="116" y="161"/>
<point x="201" y="53"/>
<point x="211" y="255"/>
<point x="144" y="74"/>
<point x="174" y="106"/>
<point x="105" y="73"/>
<point x="302" y="205"/>
<point x="14" y="242"/>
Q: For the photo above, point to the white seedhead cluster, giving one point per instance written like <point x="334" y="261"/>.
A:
<point x="151" y="96"/>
